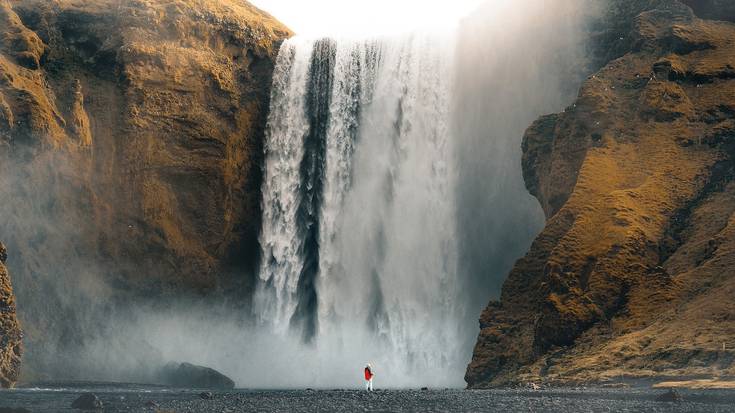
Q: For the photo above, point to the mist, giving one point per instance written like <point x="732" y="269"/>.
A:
<point x="65" y="299"/>
<point x="516" y="61"/>
<point x="394" y="203"/>
<point x="419" y="213"/>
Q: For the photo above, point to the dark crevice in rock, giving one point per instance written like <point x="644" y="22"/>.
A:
<point x="722" y="173"/>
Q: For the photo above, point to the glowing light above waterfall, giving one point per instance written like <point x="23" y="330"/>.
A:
<point x="366" y="17"/>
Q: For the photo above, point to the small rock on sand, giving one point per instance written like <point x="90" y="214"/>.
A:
<point x="87" y="401"/>
<point x="193" y="376"/>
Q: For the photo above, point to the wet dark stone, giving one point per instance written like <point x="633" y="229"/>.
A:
<point x="87" y="401"/>
<point x="207" y="395"/>
<point x="192" y="376"/>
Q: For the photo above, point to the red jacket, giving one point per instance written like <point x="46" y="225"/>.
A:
<point x="368" y="373"/>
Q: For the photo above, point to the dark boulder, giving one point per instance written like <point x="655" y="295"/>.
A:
<point x="207" y="395"/>
<point x="670" y="396"/>
<point x="87" y="401"/>
<point x="192" y="376"/>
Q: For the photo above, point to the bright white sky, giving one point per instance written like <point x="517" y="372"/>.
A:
<point x="365" y="17"/>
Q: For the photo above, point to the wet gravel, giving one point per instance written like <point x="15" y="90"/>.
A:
<point x="132" y="398"/>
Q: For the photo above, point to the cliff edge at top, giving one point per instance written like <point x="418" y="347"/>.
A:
<point x="632" y="275"/>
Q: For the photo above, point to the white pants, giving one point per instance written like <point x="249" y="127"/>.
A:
<point x="369" y="385"/>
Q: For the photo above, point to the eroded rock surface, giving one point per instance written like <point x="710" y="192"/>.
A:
<point x="161" y="106"/>
<point x="10" y="332"/>
<point x="632" y="275"/>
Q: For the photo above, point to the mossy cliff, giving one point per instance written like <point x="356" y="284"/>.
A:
<point x="131" y="141"/>
<point x="632" y="275"/>
<point x="11" y="335"/>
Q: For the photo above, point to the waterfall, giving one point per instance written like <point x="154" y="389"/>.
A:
<point x="358" y="210"/>
<point x="393" y="202"/>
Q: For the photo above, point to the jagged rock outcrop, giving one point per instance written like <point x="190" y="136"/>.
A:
<point x="131" y="141"/>
<point x="632" y="275"/>
<point x="10" y="333"/>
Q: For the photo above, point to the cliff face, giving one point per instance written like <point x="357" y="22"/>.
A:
<point x="161" y="106"/>
<point x="10" y="333"/>
<point x="632" y="275"/>
<point x="713" y="9"/>
<point x="131" y="145"/>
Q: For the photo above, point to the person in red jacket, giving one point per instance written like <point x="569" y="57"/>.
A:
<point x="369" y="377"/>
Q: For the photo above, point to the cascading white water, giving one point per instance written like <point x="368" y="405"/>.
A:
<point x="376" y="152"/>
<point x="387" y="243"/>
<point x="287" y="129"/>
<point x="390" y="260"/>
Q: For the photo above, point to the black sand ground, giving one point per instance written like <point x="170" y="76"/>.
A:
<point x="151" y="399"/>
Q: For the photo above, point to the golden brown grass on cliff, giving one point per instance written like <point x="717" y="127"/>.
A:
<point x="131" y="144"/>
<point x="632" y="275"/>
<point x="697" y="384"/>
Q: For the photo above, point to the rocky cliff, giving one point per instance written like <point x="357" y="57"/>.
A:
<point x="713" y="9"/>
<point x="632" y="275"/>
<point x="10" y="333"/>
<point x="131" y="145"/>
